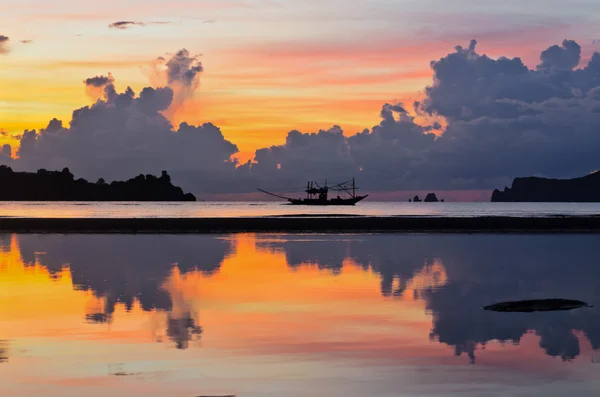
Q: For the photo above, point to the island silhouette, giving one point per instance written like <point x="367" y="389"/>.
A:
<point x="535" y="189"/>
<point x="46" y="185"/>
<point x="430" y="198"/>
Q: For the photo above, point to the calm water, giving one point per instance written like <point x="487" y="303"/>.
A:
<point x="295" y="315"/>
<point x="244" y="209"/>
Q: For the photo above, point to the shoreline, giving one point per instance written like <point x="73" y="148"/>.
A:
<point x="283" y="224"/>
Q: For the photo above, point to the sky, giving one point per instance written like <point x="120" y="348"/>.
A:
<point x="270" y="67"/>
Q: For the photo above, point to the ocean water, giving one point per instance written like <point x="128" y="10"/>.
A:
<point x="257" y="315"/>
<point x="250" y="209"/>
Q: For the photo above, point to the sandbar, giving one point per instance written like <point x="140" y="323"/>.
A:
<point x="312" y="224"/>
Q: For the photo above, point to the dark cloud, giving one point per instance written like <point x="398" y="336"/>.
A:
<point x="129" y="24"/>
<point x="501" y="118"/>
<point x="3" y="44"/>
<point x="125" y="24"/>
<point x="565" y="57"/>
<point x="123" y="134"/>
<point x="505" y="120"/>
<point x="26" y="41"/>
<point x="181" y="72"/>
<point x="97" y="87"/>
<point x="99" y="81"/>
<point x="6" y="150"/>
<point x="183" y="68"/>
<point x="384" y="157"/>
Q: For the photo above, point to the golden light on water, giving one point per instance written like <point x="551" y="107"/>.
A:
<point x="257" y="315"/>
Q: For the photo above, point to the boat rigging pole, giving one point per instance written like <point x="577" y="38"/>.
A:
<point x="275" y="195"/>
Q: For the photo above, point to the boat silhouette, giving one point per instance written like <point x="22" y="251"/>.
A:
<point x="318" y="195"/>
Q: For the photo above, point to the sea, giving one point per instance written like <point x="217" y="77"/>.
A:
<point x="277" y="314"/>
<point x="259" y="208"/>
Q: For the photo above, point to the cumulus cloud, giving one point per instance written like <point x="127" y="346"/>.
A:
<point x="387" y="153"/>
<point x="180" y="72"/>
<point x="502" y="119"/>
<point x="565" y="57"/>
<point x="95" y="85"/>
<point x="6" y="150"/>
<point x="99" y="81"/>
<point x="183" y="68"/>
<point x="4" y="44"/>
<point x="505" y="120"/>
<point x="123" y="135"/>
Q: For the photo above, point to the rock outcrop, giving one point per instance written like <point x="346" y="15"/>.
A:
<point x="431" y="198"/>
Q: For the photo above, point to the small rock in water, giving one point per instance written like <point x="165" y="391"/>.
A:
<point x="537" y="305"/>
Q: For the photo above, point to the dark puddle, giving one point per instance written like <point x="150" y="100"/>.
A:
<point x="537" y="305"/>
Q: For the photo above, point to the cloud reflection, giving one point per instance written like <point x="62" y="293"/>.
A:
<point x="452" y="276"/>
<point x="482" y="269"/>
<point x="3" y="351"/>
<point x="489" y="269"/>
<point x="124" y="270"/>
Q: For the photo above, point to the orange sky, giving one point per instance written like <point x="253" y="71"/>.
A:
<point x="268" y="68"/>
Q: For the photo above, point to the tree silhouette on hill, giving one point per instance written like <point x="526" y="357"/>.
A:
<point x="45" y="185"/>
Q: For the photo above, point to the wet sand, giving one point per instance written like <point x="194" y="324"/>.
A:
<point x="322" y="224"/>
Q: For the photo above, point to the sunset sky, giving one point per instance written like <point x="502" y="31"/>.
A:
<point x="270" y="66"/>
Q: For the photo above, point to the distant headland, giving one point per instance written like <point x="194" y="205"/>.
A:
<point x="46" y="185"/>
<point x="533" y="189"/>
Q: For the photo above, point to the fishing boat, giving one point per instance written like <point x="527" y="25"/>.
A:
<point x="318" y="195"/>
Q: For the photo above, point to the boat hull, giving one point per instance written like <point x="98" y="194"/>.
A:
<point x="334" y="201"/>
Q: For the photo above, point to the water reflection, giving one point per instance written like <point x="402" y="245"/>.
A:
<point x="113" y="271"/>
<point x="483" y="269"/>
<point x="3" y="351"/>
<point x="395" y="259"/>
<point x="512" y="267"/>
<point x="395" y="299"/>
<point x="124" y="268"/>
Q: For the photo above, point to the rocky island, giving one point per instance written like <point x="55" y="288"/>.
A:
<point x="430" y="198"/>
<point x="534" y="189"/>
<point x="46" y="185"/>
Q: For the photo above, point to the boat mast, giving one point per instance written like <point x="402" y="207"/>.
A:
<point x="353" y="188"/>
